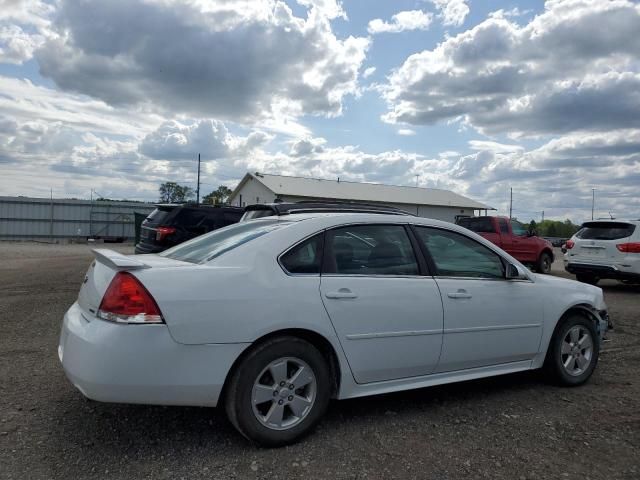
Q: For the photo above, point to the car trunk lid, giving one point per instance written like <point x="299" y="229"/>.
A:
<point x="102" y="270"/>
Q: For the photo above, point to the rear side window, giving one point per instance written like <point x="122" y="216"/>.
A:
<point x="605" y="231"/>
<point x="370" y="250"/>
<point x="455" y="255"/>
<point x="214" y="244"/>
<point x="477" y="224"/>
<point x="305" y="258"/>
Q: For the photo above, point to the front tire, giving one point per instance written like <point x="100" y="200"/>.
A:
<point x="573" y="351"/>
<point x="279" y="392"/>
<point x="544" y="263"/>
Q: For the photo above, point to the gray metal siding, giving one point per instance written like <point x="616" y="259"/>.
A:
<point x="23" y="218"/>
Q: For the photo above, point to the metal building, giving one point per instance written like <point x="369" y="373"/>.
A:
<point x="27" y="218"/>
<point x="424" y="202"/>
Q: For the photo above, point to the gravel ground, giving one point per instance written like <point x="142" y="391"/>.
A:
<point x="510" y="427"/>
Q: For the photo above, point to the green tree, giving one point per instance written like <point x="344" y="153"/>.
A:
<point x="171" y="192"/>
<point x="218" y="196"/>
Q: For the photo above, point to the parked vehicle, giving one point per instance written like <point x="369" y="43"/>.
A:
<point x="260" y="210"/>
<point x="605" y="249"/>
<point x="171" y="224"/>
<point x="273" y="317"/>
<point x="514" y="238"/>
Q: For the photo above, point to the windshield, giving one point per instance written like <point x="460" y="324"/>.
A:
<point x="212" y="245"/>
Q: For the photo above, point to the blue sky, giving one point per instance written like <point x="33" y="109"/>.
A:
<point x="476" y="96"/>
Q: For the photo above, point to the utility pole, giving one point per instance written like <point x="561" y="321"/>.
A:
<point x="543" y="215"/>
<point x="511" y="203"/>
<point x="198" y="189"/>
<point x="593" y="201"/>
<point x="417" y="177"/>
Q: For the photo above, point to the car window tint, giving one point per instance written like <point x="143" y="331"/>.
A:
<point x="518" y="229"/>
<point x="477" y="224"/>
<point x="504" y="226"/>
<point x="456" y="255"/>
<point x="305" y="258"/>
<point x="605" y="231"/>
<point x="207" y="247"/>
<point x="370" y="250"/>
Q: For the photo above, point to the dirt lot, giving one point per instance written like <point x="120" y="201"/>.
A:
<point x="512" y="427"/>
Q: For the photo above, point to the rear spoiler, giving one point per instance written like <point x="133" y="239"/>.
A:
<point x="118" y="261"/>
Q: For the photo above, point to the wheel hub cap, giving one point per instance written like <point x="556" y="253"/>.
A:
<point x="283" y="394"/>
<point x="577" y="350"/>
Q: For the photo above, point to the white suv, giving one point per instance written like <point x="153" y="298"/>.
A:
<point x="605" y="249"/>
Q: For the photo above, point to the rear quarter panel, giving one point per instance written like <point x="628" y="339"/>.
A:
<point x="227" y="304"/>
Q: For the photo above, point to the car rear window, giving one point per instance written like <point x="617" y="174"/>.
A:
<point x="605" y="230"/>
<point x="477" y="224"/>
<point x="212" y="245"/>
<point x="158" y="215"/>
<point x="251" y="214"/>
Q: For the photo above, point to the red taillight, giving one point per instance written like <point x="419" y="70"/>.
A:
<point x="127" y="301"/>
<point x="570" y="244"/>
<point x="163" y="232"/>
<point x="632" y="247"/>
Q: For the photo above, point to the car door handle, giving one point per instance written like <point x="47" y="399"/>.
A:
<point x="342" y="293"/>
<point x="459" y="294"/>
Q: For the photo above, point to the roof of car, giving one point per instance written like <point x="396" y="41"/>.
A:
<point x="285" y="208"/>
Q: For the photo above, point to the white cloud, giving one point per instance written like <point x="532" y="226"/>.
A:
<point x="368" y="72"/>
<point x="175" y="140"/>
<point x="240" y="60"/>
<point x="452" y="12"/>
<point x="573" y="67"/>
<point x="401" y="22"/>
<point x="23" y="28"/>
<point x="406" y="131"/>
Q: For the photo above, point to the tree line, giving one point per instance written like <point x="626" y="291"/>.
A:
<point x="172" y="192"/>
<point x="554" y="228"/>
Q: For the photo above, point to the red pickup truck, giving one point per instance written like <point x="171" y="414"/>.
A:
<point x="514" y="238"/>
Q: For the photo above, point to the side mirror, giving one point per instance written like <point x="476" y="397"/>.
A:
<point x="515" y="273"/>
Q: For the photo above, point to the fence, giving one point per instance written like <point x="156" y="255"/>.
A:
<point x="26" y="218"/>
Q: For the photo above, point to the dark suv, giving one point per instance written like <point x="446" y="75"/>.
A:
<point x="286" y="208"/>
<point x="171" y="224"/>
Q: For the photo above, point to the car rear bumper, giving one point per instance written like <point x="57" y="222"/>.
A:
<point x="120" y="363"/>
<point x="601" y="271"/>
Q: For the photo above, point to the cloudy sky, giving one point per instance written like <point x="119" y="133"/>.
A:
<point x="475" y="96"/>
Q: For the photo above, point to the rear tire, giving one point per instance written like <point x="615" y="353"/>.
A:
<point x="573" y="352"/>
<point x="587" y="278"/>
<point x="544" y="263"/>
<point x="279" y="392"/>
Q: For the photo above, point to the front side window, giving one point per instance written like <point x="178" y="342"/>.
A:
<point x="455" y="255"/>
<point x="370" y="250"/>
<point x="518" y="229"/>
<point x="305" y="258"/>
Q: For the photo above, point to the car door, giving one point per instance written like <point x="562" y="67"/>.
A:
<point x="524" y="247"/>
<point x="387" y="315"/>
<point x="488" y="320"/>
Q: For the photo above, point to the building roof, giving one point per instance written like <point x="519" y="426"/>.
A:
<point x="368" y="192"/>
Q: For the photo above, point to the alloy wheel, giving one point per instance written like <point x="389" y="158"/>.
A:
<point x="283" y="394"/>
<point x="577" y="350"/>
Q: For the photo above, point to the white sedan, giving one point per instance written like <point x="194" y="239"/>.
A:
<point x="274" y="317"/>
